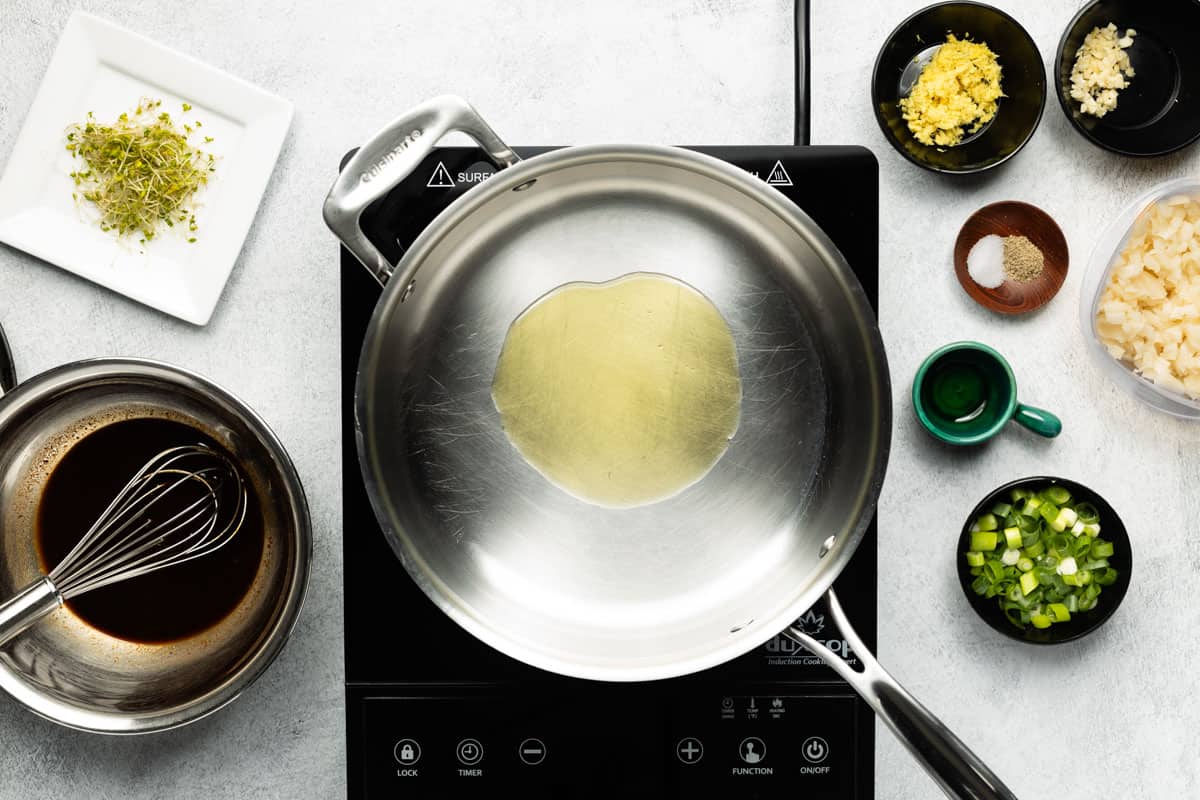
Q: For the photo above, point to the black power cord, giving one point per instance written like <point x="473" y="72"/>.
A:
<point x="800" y="35"/>
<point x="8" y="375"/>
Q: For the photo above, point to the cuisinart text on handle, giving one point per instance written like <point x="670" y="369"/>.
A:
<point x="390" y="156"/>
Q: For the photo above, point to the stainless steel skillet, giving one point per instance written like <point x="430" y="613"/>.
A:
<point x="654" y="591"/>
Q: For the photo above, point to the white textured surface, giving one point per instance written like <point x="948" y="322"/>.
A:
<point x="1112" y="716"/>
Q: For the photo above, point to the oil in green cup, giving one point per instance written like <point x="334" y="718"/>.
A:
<point x="965" y="392"/>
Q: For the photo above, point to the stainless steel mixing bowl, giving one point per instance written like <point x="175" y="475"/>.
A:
<point x="78" y="676"/>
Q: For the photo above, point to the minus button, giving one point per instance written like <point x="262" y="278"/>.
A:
<point x="532" y="751"/>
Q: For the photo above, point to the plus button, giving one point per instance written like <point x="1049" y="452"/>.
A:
<point x="689" y="750"/>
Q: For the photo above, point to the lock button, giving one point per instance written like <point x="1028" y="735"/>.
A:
<point x="407" y="752"/>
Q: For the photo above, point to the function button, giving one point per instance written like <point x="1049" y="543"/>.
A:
<point x="407" y="752"/>
<point x="689" y="750"/>
<point x="469" y="752"/>
<point x="752" y="750"/>
<point x="815" y="750"/>
<point x="532" y="751"/>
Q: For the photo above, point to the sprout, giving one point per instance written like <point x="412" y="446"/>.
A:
<point x="141" y="171"/>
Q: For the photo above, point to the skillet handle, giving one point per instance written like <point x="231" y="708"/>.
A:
<point x="390" y="157"/>
<point x="958" y="771"/>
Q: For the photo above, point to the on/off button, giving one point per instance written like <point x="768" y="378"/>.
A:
<point x="815" y="750"/>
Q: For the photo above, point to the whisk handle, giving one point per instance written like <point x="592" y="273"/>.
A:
<point x="26" y="607"/>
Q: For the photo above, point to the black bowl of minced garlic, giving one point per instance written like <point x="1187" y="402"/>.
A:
<point x="958" y="87"/>
<point x="1128" y="75"/>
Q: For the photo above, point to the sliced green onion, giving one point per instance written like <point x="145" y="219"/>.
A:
<point x="1040" y="557"/>
<point x="1087" y="513"/>
<point x="1014" y="614"/>
<point x="984" y="540"/>
<point x="1012" y="537"/>
<point x="1057" y="495"/>
<point x="1064" y="519"/>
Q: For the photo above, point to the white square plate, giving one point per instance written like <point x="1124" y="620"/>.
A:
<point x="105" y="69"/>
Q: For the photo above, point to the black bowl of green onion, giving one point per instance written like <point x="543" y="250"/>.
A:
<point x="1044" y="560"/>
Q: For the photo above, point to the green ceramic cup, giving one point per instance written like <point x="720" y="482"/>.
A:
<point x="965" y="393"/>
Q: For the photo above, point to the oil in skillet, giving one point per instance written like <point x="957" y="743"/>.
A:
<point x="165" y="606"/>
<point x="622" y="393"/>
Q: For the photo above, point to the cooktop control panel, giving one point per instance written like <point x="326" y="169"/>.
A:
<point x="599" y="745"/>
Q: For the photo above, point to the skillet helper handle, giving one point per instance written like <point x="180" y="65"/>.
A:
<point x="958" y="771"/>
<point x="27" y="607"/>
<point x="1041" y="422"/>
<point x="390" y="157"/>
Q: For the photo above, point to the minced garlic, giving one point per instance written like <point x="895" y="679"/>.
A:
<point x="1101" y="69"/>
<point x="957" y="90"/>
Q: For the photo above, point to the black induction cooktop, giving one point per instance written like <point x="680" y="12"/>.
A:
<point x="433" y="712"/>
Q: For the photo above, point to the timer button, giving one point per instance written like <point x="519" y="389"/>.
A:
<point x="469" y="752"/>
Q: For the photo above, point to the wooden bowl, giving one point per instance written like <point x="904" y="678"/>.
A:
<point x="1013" y="218"/>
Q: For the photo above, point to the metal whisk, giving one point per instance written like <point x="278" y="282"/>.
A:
<point x="185" y="503"/>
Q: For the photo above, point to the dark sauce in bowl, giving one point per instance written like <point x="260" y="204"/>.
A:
<point x="164" y="606"/>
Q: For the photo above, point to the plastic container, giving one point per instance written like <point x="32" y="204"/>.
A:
<point x="1095" y="280"/>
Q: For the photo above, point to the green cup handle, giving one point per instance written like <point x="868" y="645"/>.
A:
<point x="1043" y="423"/>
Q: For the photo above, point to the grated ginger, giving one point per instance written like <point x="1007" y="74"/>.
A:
<point x="1149" y="314"/>
<point x="958" y="90"/>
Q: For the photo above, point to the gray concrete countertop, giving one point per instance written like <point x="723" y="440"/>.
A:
<point x="1113" y="715"/>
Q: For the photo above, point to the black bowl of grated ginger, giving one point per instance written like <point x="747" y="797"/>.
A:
<point x="958" y="87"/>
